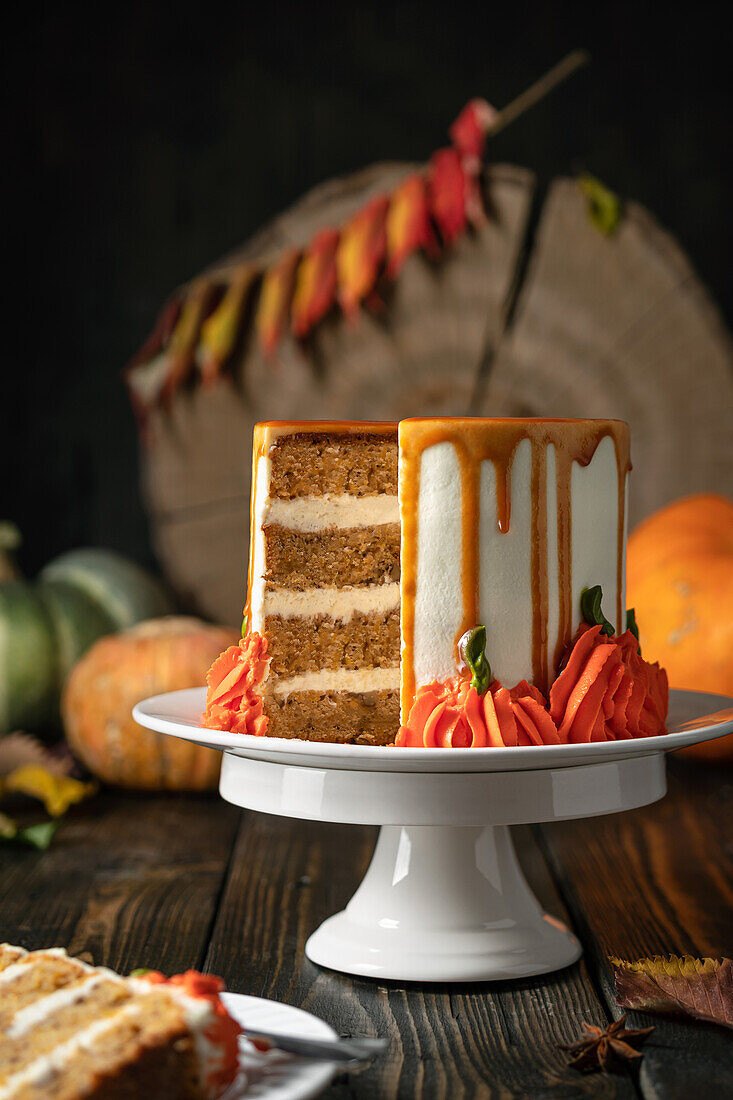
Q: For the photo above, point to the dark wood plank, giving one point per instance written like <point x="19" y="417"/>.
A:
<point x="446" y="1041"/>
<point x="132" y="881"/>
<point x="658" y="881"/>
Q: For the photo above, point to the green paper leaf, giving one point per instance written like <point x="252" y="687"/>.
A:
<point x="604" y="207"/>
<point x="590" y="609"/>
<point x="631" y="625"/>
<point x="472" y="648"/>
<point x="244" y="626"/>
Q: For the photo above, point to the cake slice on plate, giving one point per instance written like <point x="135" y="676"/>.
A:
<point x="70" y="1030"/>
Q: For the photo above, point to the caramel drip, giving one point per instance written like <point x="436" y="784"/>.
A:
<point x="540" y="608"/>
<point x="623" y="466"/>
<point x="470" y="496"/>
<point x="563" y="470"/>
<point x="496" y="440"/>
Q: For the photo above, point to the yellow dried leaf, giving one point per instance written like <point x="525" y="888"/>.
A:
<point x="56" y="792"/>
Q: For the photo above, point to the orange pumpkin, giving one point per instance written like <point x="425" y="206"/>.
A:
<point x="155" y="656"/>
<point x="680" y="581"/>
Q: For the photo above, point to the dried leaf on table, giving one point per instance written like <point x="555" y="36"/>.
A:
<point x="315" y="284"/>
<point x="57" y="792"/>
<point x="38" y="836"/>
<point x="606" y="1048"/>
<point x="701" y="988"/>
<point x="18" y="749"/>
<point x="361" y="252"/>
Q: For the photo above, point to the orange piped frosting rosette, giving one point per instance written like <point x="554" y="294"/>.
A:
<point x="605" y="692"/>
<point x="232" y="701"/>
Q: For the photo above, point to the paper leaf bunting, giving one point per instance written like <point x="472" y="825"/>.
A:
<point x="273" y="307"/>
<point x="219" y="331"/>
<point x="315" y="284"/>
<point x="361" y="252"/>
<point x="702" y="988"/>
<point x="408" y="224"/>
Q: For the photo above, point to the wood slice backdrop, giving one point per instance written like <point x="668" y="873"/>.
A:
<point x="536" y="313"/>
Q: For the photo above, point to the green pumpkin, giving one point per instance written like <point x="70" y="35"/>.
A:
<point x="46" y="626"/>
<point x="126" y="591"/>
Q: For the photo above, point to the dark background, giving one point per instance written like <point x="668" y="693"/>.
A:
<point x="146" y="140"/>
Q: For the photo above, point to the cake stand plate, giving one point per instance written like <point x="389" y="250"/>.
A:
<point x="444" y="898"/>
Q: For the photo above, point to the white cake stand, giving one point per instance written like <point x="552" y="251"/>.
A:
<point x="444" y="898"/>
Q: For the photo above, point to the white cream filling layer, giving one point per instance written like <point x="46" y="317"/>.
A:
<point x="342" y="679"/>
<point x="338" y="603"/>
<point x="331" y="511"/>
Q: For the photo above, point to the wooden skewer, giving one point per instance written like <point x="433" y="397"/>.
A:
<point x="537" y="91"/>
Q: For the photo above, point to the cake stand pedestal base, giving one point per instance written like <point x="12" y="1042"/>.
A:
<point x="443" y="904"/>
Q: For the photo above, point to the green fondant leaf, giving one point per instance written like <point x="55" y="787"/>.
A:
<point x="140" y="972"/>
<point x="631" y="625"/>
<point x="472" y="648"/>
<point x="604" y="207"/>
<point x="590" y="609"/>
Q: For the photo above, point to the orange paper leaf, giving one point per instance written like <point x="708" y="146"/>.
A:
<point x="179" y="353"/>
<point x="447" y="193"/>
<point x="315" y="284"/>
<point x="702" y="988"/>
<point x="219" y="331"/>
<point x="360" y="253"/>
<point x="275" y="298"/>
<point x="408" y="223"/>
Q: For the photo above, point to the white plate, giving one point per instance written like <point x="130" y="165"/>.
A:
<point x="271" y="1075"/>
<point x="693" y="716"/>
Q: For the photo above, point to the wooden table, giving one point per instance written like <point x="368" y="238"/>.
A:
<point x="173" y="882"/>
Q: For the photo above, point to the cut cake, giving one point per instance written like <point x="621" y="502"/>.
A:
<point x="377" y="549"/>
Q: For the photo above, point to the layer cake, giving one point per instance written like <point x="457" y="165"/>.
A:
<point x="380" y="552"/>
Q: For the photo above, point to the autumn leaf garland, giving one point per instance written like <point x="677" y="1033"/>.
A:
<point x="340" y="267"/>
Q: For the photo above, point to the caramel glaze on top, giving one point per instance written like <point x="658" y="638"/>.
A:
<point x="266" y="434"/>
<point x="496" y="440"/>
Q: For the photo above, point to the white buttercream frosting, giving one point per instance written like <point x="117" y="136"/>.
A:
<point x="438" y="599"/>
<point x="505" y="584"/>
<point x="595" y="520"/>
<point x="505" y="558"/>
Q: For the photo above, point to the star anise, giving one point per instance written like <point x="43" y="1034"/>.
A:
<point x="606" y="1049"/>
